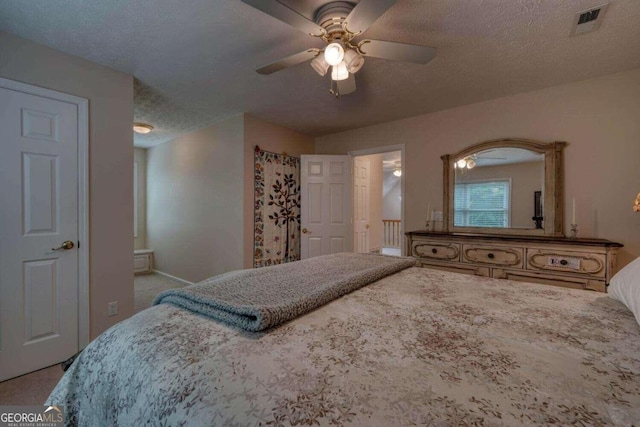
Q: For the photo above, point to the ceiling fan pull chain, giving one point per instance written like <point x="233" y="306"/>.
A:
<point x="333" y="89"/>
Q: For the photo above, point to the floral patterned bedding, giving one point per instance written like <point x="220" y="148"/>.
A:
<point x="419" y="347"/>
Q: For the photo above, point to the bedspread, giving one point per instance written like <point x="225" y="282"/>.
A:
<point x="418" y="347"/>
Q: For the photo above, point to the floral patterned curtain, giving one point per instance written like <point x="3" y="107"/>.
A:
<point x="276" y="208"/>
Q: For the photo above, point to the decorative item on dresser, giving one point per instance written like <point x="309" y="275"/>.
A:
<point x="559" y="261"/>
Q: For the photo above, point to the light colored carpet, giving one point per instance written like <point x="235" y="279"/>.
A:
<point x="34" y="388"/>
<point x="30" y="389"/>
<point x="148" y="286"/>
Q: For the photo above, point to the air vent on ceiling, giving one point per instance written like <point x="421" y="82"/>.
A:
<point x="588" y="20"/>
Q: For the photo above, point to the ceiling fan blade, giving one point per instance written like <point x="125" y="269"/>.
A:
<point x="287" y="15"/>
<point x="365" y="13"/>
<point x="347" y="86"/>
<point x="289" y="61"/>
<point x="395" y="51"/>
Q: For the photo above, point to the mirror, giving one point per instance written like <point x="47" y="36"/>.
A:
<point x="506" y="186"/>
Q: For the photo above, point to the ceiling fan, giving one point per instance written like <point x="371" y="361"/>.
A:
<point x="339" y="24"/>
<point x="470" y="162"/>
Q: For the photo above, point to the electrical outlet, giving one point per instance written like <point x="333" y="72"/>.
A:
<point x="113" y="308"/>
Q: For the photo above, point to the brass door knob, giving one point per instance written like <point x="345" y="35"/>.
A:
<point x="366" y="226"/>
<point x="66" y="245"/>
<point x="305" y="231"/>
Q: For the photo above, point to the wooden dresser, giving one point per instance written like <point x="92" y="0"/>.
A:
<point x="558" y="261"/>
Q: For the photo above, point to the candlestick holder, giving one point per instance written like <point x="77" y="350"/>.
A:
<point x="427" y="225"/>
<point x="574" y="231"/>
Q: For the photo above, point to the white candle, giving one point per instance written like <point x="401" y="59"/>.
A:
<point x="428" y="211"/>
<point x="573" y="212"/>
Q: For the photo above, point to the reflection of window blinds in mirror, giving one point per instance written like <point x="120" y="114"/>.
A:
<point x="482" y="204"/>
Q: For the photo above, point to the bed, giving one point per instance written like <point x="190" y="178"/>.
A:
<point x="418" y="347"/>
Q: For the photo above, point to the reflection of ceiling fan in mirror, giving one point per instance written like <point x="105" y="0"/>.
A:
<point x="339" y="23"/>
<point x="474" y="160"/>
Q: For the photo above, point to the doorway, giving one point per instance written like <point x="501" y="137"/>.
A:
<point x="378" y="206"/>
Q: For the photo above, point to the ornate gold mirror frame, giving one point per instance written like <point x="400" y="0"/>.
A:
<point x="553" y="199"/>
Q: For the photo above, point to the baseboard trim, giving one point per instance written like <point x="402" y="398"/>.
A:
<point x="169" y="276"/>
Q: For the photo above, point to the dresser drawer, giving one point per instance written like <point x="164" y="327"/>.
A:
<point x="493" y="255"/>
<point x="591" y="264"/>
<point x="436" y="250"/>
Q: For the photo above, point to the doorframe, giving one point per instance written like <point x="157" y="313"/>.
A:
<point x="82" y="104"/>
<point x="380" y="150"/>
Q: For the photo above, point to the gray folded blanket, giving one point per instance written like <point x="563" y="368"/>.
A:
<point x="258" y="299"/>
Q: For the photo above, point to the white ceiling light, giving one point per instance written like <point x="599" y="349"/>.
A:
<point x="397" y="172"/>
<point x="334" y="54"/>
<point x="320" y="65"/>
<point x="339" y="72"/>
<point x="354" y="61"/>
<point x="471" y="163"/>
<point x="466" y="163"/>
<point x="142" y="128"/>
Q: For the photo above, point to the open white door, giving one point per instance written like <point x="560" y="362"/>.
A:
<point x="38" y="213"/>
<point x="361" y="204"/>
<point x="325" y="198"/>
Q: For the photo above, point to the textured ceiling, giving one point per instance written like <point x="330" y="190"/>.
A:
<point x="194" y="61"/>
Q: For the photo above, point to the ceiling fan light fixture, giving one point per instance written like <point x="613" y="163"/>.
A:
<point x="142" y="127"/>
<point x="320" y="65"/>
<point x="339" y="72"/>
<point x="334" y="54"/>
<point x="462" y="163"/>
<point x="354" y="61"/>
<point x="397" y="172"/>
<point x="471" y="163"/>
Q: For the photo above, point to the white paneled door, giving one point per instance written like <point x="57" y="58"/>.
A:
<point x="361" y="189"/>
<point x="325" y="205"/>
<point x="38" y="232"/>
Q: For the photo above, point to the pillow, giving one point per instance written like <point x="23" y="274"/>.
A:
<point x="625" y="287"/>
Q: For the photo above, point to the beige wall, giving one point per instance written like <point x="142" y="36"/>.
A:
<point x="597" y="117"/>
<point x="110" y="95"/>
<point x="268" y="137"/>
<point x="140" y="157"/>
<point x="525" y="179"/>
<point x="195" y="202"/>
<point x="200" y="195"/>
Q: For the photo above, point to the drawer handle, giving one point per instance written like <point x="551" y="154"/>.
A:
<point x="434" y="251"/>
<point x="491" y="256"/>
<point x="564" y="262"/>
